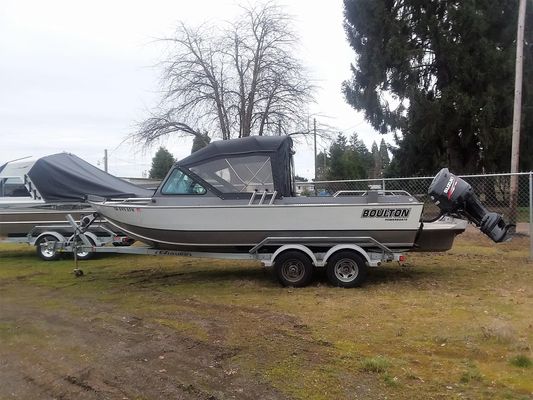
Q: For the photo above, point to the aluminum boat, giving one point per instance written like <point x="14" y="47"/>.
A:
<point x="38" y="192"/>
<point x="233" y="195"/>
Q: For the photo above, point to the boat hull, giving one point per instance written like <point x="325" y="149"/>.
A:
<point x="238" y="228"/>
<point x="439" y="235"/>
<point x="19" y="222"/>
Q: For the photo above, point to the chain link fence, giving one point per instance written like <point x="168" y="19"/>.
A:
<point x="492" y="189"/>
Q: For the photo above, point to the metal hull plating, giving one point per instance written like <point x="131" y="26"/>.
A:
<point x="240" y="227"/>
<point x="18" y="222"/>
<point x="439" y="235"/>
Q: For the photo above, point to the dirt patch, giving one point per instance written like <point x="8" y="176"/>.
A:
<point x="53" y="354"/>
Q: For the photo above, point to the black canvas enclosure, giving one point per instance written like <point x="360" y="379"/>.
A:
<point x="277" y="148"/>
<point x="66" y="177"/>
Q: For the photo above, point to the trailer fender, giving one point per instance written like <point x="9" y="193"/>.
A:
<point x="91" y="236"/>
<point x="94" y="238"/>
<point x="339" y="247"/>
<point x="298" y="247"/>
<point x="57" y="235"/>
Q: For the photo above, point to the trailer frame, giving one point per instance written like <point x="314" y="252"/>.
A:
<point x="359" y="252"/>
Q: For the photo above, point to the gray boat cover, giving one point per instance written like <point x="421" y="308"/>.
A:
<point x="278" y="148"/>
<point x="66" y="177"/>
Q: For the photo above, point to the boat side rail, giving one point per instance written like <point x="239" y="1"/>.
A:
<point x="132" y="200"/>
<point x="365" y="192"/>
<point x="94" y="198"/>
<point x="319" y="241"/>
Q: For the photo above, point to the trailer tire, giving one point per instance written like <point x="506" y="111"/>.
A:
<point x="83" y="255"/>
<point x="293" y="268"/>
<point x="346" y="269"/>
<point x="46" y="254"/>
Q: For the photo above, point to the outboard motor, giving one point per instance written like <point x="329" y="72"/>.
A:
<point x="454" y="196"/>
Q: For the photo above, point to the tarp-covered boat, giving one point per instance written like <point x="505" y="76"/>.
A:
<point x="41" y="191"/>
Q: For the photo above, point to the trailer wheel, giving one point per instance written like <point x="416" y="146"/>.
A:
<point x="293" y="268"/>
<point x="44" y="252"/>
<point x="82" y="255"/>
<point x="346" y="269"/>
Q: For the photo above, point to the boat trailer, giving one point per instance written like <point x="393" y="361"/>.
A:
<point x="346" y="259"/>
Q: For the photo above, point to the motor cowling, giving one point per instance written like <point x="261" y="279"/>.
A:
<point x="455" y="196"/>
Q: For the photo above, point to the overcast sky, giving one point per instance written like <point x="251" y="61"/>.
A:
<point x="77" y="76"/>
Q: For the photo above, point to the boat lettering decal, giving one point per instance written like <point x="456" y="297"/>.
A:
<point x="128" y="209"/>
<point x="452" y="183"/>
<point x="173" y="253"/>
<point x="390" y="214"/>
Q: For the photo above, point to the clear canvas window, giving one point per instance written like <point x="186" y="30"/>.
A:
<point x="13" y="187"/>
<point x="180" y="183"/>
<point x="237" y="174"/>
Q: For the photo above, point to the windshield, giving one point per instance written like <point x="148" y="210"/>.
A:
<point x="180" y="183"/>
<point x="237" y="174"/>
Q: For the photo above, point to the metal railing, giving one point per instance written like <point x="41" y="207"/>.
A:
<point x="492" y="189"/>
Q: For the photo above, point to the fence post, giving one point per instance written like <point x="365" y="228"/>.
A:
<point x="531" y="216"/>
<point x="383" y="183"/>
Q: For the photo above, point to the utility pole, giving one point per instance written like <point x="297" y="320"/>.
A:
<point x="314" y="137"/>
<point x="105" y="160"/>
<point x="517" y="110"/>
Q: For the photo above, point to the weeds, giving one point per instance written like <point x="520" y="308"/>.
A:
<point x="521" y="361"/>
<point x="389" y="380"/>
<point x="377" y="364"/>
<point x="471" y="375"/>
<point x="499" y="331"/>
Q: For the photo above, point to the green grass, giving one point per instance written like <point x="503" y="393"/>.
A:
<point x="521" y="361"/>
<point x="405" y="335"/>
<point x="472" y="374"/>
<point x="377" y="364"/>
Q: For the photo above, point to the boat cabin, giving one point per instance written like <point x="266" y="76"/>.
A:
<point x="235" y="169"/>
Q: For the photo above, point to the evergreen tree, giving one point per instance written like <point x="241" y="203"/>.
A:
<point x="348" y="160"/>
<point x="200" y="142"/>
<point x="377" y="165"/>
<point x="384" y="154"/>
<point x="322" y="163"/>
<point x="161" y="163"/>
<point x="336" y="169"/>
<point x="440" y="74"/>
<point x="363" y="154"/>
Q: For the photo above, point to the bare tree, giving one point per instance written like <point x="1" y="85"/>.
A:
<point x="233" y="82"/>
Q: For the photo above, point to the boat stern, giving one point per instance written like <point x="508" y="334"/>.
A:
<point x="439" y="235"/>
